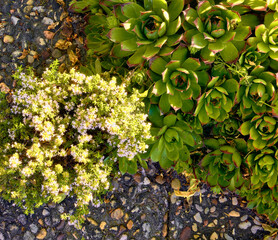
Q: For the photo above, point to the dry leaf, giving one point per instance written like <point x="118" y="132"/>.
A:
<point x="53" y="25"/>
<point x="24" y="54"/>
<point x="63" y="44"/>
<point x="49" y="34"/>
<point x="4" y="88"/>
<point x="117" y="214"/>
<point x="72" y="57"/>
<point x="129" y="224"/>
<point x="67" y="30"/>
<point x="61" y="2"/>
<point x="63" y="16"/>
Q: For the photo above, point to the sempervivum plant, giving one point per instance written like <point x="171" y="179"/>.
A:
<point x="266" y="36"/>
<point x="174" y="137"/>
<point x="262" y="131"/>
<point x="264" y="167"/>
<point x="179" y="82"/>
<point x="149" y="30"/>
<point x="256" y="91"/>
<point x="217" y="101"/>
<point x="213" y="29"/>
<point x="223" y="166"/>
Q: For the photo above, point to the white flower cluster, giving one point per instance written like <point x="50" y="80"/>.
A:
<point x="69" y="124"/>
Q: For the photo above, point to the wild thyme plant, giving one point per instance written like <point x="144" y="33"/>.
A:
<point x="63" y="135"/>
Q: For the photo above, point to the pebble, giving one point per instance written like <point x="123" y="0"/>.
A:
<point x="22" y="219"/>
<point x="198" y="218"/>
<point x="8" y="39"/>
<point x="194" y="227"/>
<point x="234" y="201"/>
<point x="254" y="229"/>
<point x="42" y="234"/>
<point x="28" y="236"/>
<point x="199" y="208"/>
<point x="214" y="236"/>
<point x="33" y="228"/>
<point x="243" y="218"/>
<point x="244" y="225"/>
<point x="234" y="214"/>
<point x="40" y="9"/>
<point x="227" y="237"/>
<point x="123" y="237"/>
<point x="30" y="59"/>
<point x="60" y="209"/>
<point x="117" y="214"/>
<point x="146" y="181"/>
<point x="206" y="210"/>
<point x="45" y="213"/>
<point x="222" y="199"/>
<point x="47" y="21"/>
<point x="14" y="20"/>
<point x="16" y="54"/>
<point x="2" y="236"/>
<point x="40" y="41"/>
<point x="212" y="210"/>
<point x="257" y="222"/>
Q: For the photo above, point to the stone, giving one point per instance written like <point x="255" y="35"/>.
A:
<point x="173" y="198"/>
<point x="47" y="21"/>
<point x="129" y="224"/>
<point x="40" y="9"/>
<point x="14" y="20"/>
<point x="257" y="222"/>
<point x="222" y="199"/>
<point x="227" y="237"/>
<point x="199" y="208"/>
<point x="212" y="210"/>
<point x="234" y="214"/>
<point x="28" y="236"/>
<point x="48" y="34"/>
<point x="40" y="41"/>
<point x="176" y="184"/>
<point x="234" y="201"/>
<point x="56" y="53"/>
<point x="61" y="225"/>
<point x="60" y="209"/>
<point x="214" y="236"/>
<point x="244" y="218"/>
<point x="211" y="225"/>
<point x="13" y="229"/>
<point x="30" y="59"/>
<point x="30" y="2"/>
<point x="185" y="234"/>
<point x="254" y="229"/>
<point x="61" y="237"/>
<point x="92" y="221"/>
<point x="22" y="219"/>
<point x="159" y="179"/>
<point x="8" y="39"/>
<point x="123" y="237"/>
<point x="41" y="234"/>
<point x="146" y="229"/>
<point x="215" y="221"/>
<point x="117" y="214"/>
<point x="198" y="218"/>
<point x="146" y="181"/>
<point x="16" y="54"/>
<point x="102" y="225"/>
<point x="194" y="227"/>
<point x="33" y="228"/>
<point x="244" y="225"/>
<point x="2" y="236"/>
<point x="206" y="210"/>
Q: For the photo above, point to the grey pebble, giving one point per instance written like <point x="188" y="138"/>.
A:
<point x="16" y="54"/>
<point x="147" y="229"/>
<point x="40" y="9"/>
<point x="198" y="218"/>
<point x="28" y="236"/>
<point x="33" y="228"/>
<point x="244" y="225"/>
<point x="45" y="212"/>
<point x="123" y="237"/>
<point x="243" y="218"/>
<point x="222" y="199"/>
<point x="60" y="209"/>
<point x="146" y="181"/>
<point x="30" y="59"/>
<point x="254" y="229"/>
<point x="22" y="219"/>
<point x="47" y="21"/>
<point x="227" y="237"/>
<point x="2" y="236"/>
<point x="14" y="20"/>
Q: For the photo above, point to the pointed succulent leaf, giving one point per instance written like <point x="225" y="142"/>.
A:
<point x="157" y="65"/>
<point x="132" y="10"/>
<point x="173" y="27"/>
<point x="259" y="143"/>
<point x="191" y="64"/>
<point x="161" y="41"/>
<point x="231" y="85"/>
<point x="137" y="57"/>
<point x="203" y="7"/>
<point x="245" y="128"/>
<point x="190" y="15"/>
<point x="154" y="116"/>
<point x="165" y="162"/>
<point x="170" y="120"/>
<point x="158" y="6"/>
<point x="175" y="100"/>
<point x="242" y="32"/>
<point x="119" y="35"/>
<point x="175" y="9"/>
<point x="129" y="45"/>
<point x="160" y="88"/>
<point x="164" y="104"/>
<point x="203" y="116"/>
<point x="230" y="52"/>
<point x="198" y="41"/>
<point x="150" y="51"/>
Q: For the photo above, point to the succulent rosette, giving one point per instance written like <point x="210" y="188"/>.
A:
<point x="217" y="101"/>
<point x="258" y="5"/>
<point x="213" y="29"/>
<point x="223" y="166"/>
<point x="147" y="31"/>
<point x="262" y="131"/>
<point x="174" y="138"/>
<point x="266" y="36"/>
<point x="256" y="91"/>
<point x="228" y="128"/>
<point x="252" y="58"/>
<point x="265" y="168"/>
<point x="178" y="83"/>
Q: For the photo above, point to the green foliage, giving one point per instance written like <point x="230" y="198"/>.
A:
<point x="65" y="134"/>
